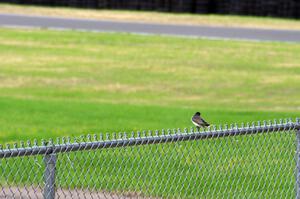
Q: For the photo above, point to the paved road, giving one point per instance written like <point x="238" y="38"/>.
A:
<point x="142" y="28"/>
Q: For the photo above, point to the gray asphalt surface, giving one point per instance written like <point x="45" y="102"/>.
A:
<point x="7" y="20"/>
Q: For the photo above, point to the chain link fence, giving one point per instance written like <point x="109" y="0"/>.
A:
<point x="258" y="160"/>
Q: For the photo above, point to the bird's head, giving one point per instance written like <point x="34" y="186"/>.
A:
<point x="198" y="113"/>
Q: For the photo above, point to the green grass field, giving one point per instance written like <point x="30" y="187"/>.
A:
<point x="59" y="83"/>
<point x="56" y="83"/>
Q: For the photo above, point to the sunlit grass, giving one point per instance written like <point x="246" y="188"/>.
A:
<point x="57" y="83"/>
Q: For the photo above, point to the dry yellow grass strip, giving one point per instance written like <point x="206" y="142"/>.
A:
<point x="155" y="17"/>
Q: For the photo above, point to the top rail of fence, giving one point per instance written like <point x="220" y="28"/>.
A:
<point x="143" y="138"/>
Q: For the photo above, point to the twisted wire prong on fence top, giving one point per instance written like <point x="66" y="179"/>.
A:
<point x="87" y="143"/>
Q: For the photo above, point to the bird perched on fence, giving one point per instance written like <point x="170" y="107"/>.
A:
<point x="198" y="121"/>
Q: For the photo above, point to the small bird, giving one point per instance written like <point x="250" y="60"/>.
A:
<point x="198" y="121"/>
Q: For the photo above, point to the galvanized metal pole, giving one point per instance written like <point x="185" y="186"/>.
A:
<point x="49" y="176"/>
<point x="298" y="161"/>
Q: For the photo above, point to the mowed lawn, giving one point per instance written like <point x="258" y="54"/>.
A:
<point x="60" y="83"/>
<point x="55" y="83"/>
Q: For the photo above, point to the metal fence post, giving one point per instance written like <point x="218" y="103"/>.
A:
<point x="298" y="162"/>
<point x="49" y="176"/>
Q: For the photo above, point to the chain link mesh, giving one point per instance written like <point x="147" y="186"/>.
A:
<point x="231" y="165"/>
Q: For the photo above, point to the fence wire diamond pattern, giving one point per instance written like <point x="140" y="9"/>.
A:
<point x="247" y="161"/>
